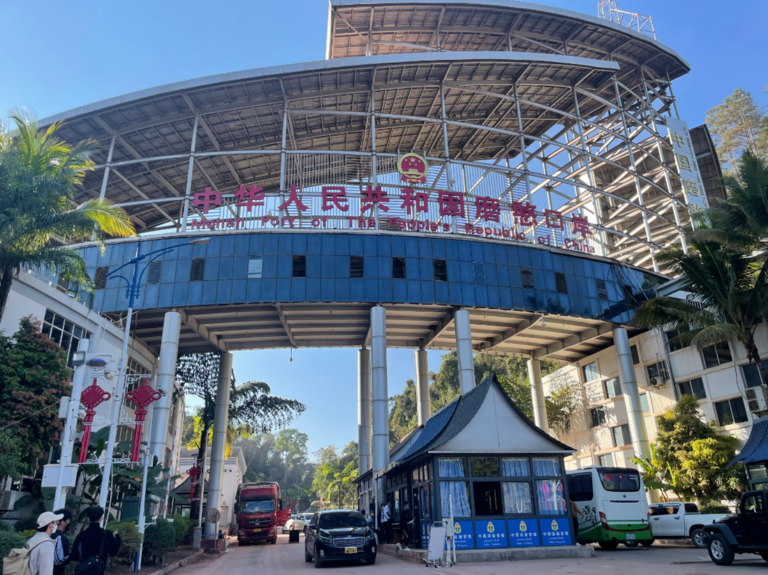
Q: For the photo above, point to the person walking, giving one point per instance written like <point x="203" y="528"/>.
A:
<point x="94" y="541"/>
<point x="42" y="546"/>
<point x="61" y="557"/>
<point x="405" y="527"/>
<point x="576" y="514"/>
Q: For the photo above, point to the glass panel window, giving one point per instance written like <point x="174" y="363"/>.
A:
<point x="715" y="355"/>
<point x="621" y="435"/>
<point x="526" y="275"/>
<point x="356" y="267"/>
<point x="478" y="272"/>
<point x="100" y="279"/>
<point x="752" y="374"/>
<point x="154" y="273"/>
<point x="487" y="497"/>
<point x="693" y="387"/>
<point x="484" y="466"/>
<point x="673" y="341"/>
<point x="612" y="387"/>
<point x="459" y="491"/>
<point x="560" y="284"/>
<point x="299" y="267"/>
<point x="635" y="355"/>
<point x="255" y="265"/>
<point x="590" y="371"/>
<point x="546" y="466"/>
<point x="197" y="270"/>
<point x="515" y="467"/>
<point x="731" y="411"/>
<point x="550" y="496"/>
<point x="440" y="269"/>
<point x="644" y="403"/>
<point x="606" y="460"/>
<point x="451" y="467"/>
<point x="517" y="498"/>
<point x="63" y="336"/>
<point x="602" y="290"/>
<point x="398" y="268"/>
<point x="598" y="416"/>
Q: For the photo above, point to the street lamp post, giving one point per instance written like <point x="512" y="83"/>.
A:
<point x="131" y="292"/>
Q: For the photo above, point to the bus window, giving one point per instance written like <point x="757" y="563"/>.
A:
<point x="619" y="479"/>
<point x="580" y="487"/>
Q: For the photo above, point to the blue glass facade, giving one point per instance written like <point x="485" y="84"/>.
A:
<point x="479" y="274"/>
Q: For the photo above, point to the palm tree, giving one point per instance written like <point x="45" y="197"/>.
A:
<point x="38" y="176"/>
<point x="730" y="298"/>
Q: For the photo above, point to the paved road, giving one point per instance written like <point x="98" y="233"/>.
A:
<point x="288" y="559"/>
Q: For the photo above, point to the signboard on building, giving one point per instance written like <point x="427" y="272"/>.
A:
<point x="555" y="531"/>
<point x="462" y="533"/>
<point x="687" y="167"/>
<point x="491" y="534"/>
<point x="523" y="533"/>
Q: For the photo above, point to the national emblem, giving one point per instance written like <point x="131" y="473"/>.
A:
<point x="491" y="529"/>
<point x="413" y="168"/>
<point x="555" y="526"/>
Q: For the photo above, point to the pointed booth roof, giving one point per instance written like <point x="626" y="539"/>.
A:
<point x="756" y="448"/>
<point x="485" y="420"/>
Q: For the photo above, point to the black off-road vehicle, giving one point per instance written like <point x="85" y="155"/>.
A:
<point x="745" y="532"/>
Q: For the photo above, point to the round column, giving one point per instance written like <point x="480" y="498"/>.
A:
<point x="464" y="351"/>
<point x="363" y="410"/>
<point x="631" y="393"/>
<point x="423" y="405"/>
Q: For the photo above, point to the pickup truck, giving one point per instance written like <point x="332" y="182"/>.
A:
<point x="681" y="521"/>
<point x="745" y="532"/>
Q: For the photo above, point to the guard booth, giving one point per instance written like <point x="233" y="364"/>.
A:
<point x="754" y="455"/>
<point x="504" y="477"/>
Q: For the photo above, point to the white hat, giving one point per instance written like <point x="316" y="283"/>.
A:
<point x="47" y="518"/>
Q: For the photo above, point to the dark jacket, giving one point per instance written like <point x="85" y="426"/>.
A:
<point x="87" y="544"/>
<point x="60" y="569"/>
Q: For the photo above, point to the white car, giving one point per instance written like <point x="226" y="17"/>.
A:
<point x="297" y="522"/>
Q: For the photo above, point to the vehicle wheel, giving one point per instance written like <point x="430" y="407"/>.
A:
<point x="371" y="561"/>
<point x="609" y="545"/>
<point x="305" y="530"/>
<point x="318" y="562"/>
<point x="700" y="538"/>
<point x="647" y="543"/>
<point x="764" y="555"/>
<point x="274" y="541"/>
<point x="720" y="551"/>
<point x="243" y="543"/>
<point x="307" y="557"/>
<point x="631" y="543"/>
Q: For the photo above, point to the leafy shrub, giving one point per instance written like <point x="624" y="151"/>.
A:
<point x="25" y="524"/>
<point x="181" y="526"/>
<point x="713" y="508"/>
<point x="130" y="540"/>
<point x="159" y="539"/>
<point x="5" y="526"/>
<point x="9" y="540"/>
<point x="27" y="534"/>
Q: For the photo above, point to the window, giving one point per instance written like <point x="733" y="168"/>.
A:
<point x="255" y="265"/>
<point x="658" y="371"/>
<point x="398" y="268"/>
<point x="602" y="290"/>
<point x="517" y="497"/>
<point x="100" y="280"/>
<point x="629" y="297"/>
<point x="560" y="283"/>
<point x="197" y="270"/>
<point x="752" y="504"/>
<point x="356" y="267"/>
<point x="612" y="387"/>
<point x="154" y="273"/>
<point x="621" y="435"/>
<point x="440" y="269"/>
<point x="64" y="333"/>
<point x="484" y="466"/>
<point x="644" y="403"/>
<point x="459" y="491"/>
<point x="299" y="267"/>
<point x="671" y="335"/>
<point x="598" y="416"/>
<point x="619" y="479"/>
<point x="550" y="496"/>
<point x="691" y="508"/>
<point x="606" y="460"/>
<point x="752" y="374"/>
<point x="488" y="498"/>
<point x="478" y="272"/>
<point x="731" y="411"/>
<point x="451" y="467"/>
<point x="635" y="355"/>
<point x="580" y="487"/>
<point x="526" y="274"/>
<point x="546" y="466"/>
<point x="515" y="467"/>
<point x="692" y="387"/>
<point x="717" y="354"/>
<point x="590" y="371"/>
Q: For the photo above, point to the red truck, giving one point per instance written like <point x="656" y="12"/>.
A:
<point x="260" y="511"/>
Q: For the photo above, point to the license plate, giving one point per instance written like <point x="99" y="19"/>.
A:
<point x="630" y="536"/>
<point x="350" y="550"/>
<point x="258" y="530"/>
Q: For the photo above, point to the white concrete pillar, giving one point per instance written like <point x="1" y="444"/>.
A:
<point x="631" y="393"/>
<point x="423" y="406"/>
<point x="464" y="351"/>
<point x="363" y="410"/>
<point x="218" y="444"/>
<point x="166" y="374"/>
<point x="380" y="411"/>
<point x="537" y="395"/>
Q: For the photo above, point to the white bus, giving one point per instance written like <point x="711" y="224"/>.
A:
<point x="613" y="500"/>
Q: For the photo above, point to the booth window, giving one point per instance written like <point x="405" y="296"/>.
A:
<point x="255" y="265"/>
<point x="488" y="498"/>
<point x="299" y="266"/>
<point x="718" y="354"/>
<point x="546" y="466"/>
<point x="731" y="411"/>
<point x="484" y="466"/>
<point x="551" y="496"/>
<point x="398" y="268"/>
<point x="154" y="273"/>
<point x="356" y="267"/>
<point x="440" y="269"/>
<point x="197" y="270"/>
<point x="692" y="387"/>
<point x="517" y="497"/>
<point x="459" y="492"/>
<point x="515" y="467"/>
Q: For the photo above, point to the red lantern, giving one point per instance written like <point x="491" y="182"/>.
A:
<point x="193" y="473"/>
<point x="91" y="396"/>
<point x="142" y="396"/>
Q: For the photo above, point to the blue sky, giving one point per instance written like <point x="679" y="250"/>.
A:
<point x="74" y="53"/>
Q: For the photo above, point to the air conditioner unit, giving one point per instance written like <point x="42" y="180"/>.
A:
<point x="654" y="381"/>
<point x="757" y="399"/>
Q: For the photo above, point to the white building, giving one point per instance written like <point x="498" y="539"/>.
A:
<point x="728" y="389"/>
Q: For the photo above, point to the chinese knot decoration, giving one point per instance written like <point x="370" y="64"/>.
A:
<point x="193" y="471"/>
<point x="91" y="397"/>
<point x="142" y="397"/>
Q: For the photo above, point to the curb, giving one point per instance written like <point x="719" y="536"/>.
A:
<point x="197" y="554"/>
<point x="480" y="556"/>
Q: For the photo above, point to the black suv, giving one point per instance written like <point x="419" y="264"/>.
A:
<point x="745" y="532"/>
<point x="339" y="536"/>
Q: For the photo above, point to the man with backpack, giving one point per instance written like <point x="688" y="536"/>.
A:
<point x="93" y="545"/>
<point x="41" y="546"/>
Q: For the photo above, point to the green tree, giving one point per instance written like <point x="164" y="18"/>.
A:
<point x="334" y="478"/>
<point x="738" y="125"/>
<point x="10" y="454"/>
<point x="696" y="456"/>
<point x="33" y="378"/>
<point x="39" y="173"/>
